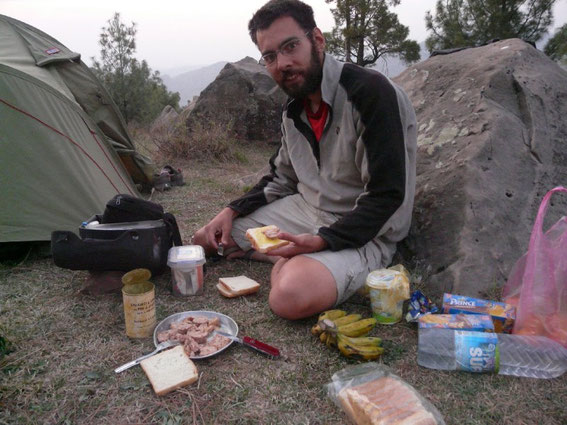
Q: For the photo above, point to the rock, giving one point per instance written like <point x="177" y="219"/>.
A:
<point x="245" y="97"/>
<point x="491" y="142"/>
<point x="165" y="120"/>
<point x="191" y="104"/>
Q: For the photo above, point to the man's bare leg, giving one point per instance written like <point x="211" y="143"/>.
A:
<point x="301" y="287"/>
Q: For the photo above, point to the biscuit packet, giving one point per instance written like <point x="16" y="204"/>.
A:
<point x="463" y="322"/>
<point x="370" y="394"/>
<point x="419" y="305"/>
<point x="503" y="315"/>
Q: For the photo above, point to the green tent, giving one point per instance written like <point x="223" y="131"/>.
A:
<point x="64" y="147"/>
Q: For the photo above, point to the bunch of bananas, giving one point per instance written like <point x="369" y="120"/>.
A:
<point x="348" y="332"/>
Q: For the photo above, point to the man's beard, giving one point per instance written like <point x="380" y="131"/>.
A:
<point x="312" y="78"/>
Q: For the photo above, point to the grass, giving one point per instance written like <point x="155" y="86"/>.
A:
<point x="206" y="139"/>
<point x="59" y="347"/>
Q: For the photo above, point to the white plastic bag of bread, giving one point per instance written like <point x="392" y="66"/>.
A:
<point x="370" y="394"/>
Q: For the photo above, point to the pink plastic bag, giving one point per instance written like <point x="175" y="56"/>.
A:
<point x="537" y="284"/>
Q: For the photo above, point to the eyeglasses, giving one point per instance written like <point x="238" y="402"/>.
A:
<point x="289" y="48"/>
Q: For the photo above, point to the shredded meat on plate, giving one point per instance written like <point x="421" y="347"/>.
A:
<point x="193" y="333"/>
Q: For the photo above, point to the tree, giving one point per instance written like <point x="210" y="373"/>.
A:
<point x="462" y="23"/>
<point x="556" y="47"/>
<point x="365" y="31"/>
<point x="138" y="92"/>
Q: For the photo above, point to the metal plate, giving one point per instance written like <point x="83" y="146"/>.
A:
<point x="227" y="325"/>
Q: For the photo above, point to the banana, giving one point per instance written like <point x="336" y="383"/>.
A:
<point x="359" y="328"/>
<point x="331" y="341"/>
<point x="332" y="325"/>
<point x="362" y="341"/>
<point x="345" y="320"/>
<point x="323" y="337"/>
<point x="364" y="352"/>
<point x="327" y="325"/>
<point x="316" y="329"/>
<point x="372" y="355"/>
<point x="332" y="314"/>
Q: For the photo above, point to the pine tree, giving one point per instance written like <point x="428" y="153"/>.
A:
<point x="463" y="23"/>
<point x="365" y="31"/>
<point x="138" y="92"/>
<point x="556" y="47"/>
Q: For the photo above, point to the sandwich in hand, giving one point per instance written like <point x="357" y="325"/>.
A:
<point x="236" y="286"/>
<point x="264" y="239"/>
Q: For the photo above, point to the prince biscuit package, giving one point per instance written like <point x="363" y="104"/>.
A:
<point x="503" y="315"/>
<point x="463" y="322"/>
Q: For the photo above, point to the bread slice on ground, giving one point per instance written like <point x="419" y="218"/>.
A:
<point x="236" y="286"/>
<point x="222" y="289"/>
<point x="262" y="239"/>
<point x="169" y="370"/>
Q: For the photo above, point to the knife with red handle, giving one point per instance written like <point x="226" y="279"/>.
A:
<point x="253" y="343"/>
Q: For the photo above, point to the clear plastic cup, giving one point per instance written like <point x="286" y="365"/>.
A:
<point x="388" y="289"/>
<point x="186" y="263"/>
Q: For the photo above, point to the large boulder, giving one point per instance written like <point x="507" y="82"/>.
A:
<point x="243" y="97"/>
<point x="166" y="119"/>
<point x="492" y="140"/>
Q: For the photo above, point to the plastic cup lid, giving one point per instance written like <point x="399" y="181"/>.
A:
<point x="187" y="255"/>
<point x="382" y="279"/>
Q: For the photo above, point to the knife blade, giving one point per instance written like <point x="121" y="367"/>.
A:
<point x="253" y="343"/>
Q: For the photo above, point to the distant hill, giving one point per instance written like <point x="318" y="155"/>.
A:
<point x="191" y="83"/>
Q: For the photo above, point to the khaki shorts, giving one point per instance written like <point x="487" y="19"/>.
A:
<point x="293" y="215"/>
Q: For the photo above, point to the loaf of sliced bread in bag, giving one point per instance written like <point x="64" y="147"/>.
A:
<point x="385" y="401"/>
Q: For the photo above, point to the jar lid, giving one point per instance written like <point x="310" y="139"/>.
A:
<point x="187" y="255"/>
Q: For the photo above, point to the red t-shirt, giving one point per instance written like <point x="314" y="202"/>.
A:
<point x="317" y="119"/>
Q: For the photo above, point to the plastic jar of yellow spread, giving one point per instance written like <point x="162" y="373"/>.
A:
<point x="387" y="290"/>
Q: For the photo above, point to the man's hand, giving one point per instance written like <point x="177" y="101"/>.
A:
<point x="300" y="244"/>
<point x="218" y="230"/>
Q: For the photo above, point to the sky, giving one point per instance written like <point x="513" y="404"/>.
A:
<point x="176" y="34"/>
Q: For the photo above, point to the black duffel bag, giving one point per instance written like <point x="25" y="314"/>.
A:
<point x="126" y="208"/>
<point x="131" y="233"/>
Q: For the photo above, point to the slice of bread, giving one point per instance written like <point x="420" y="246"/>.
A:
<point x="222" y="289"/>
<point x="236" y="286"/>
<point x="261" y="240"/>
<point x="169" y="370"/>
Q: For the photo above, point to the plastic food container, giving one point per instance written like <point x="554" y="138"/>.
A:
<point x="387" y="289"/>
<point x="186" y="264"/>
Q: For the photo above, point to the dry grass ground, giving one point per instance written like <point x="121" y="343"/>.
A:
<point x="66" y="346"/>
